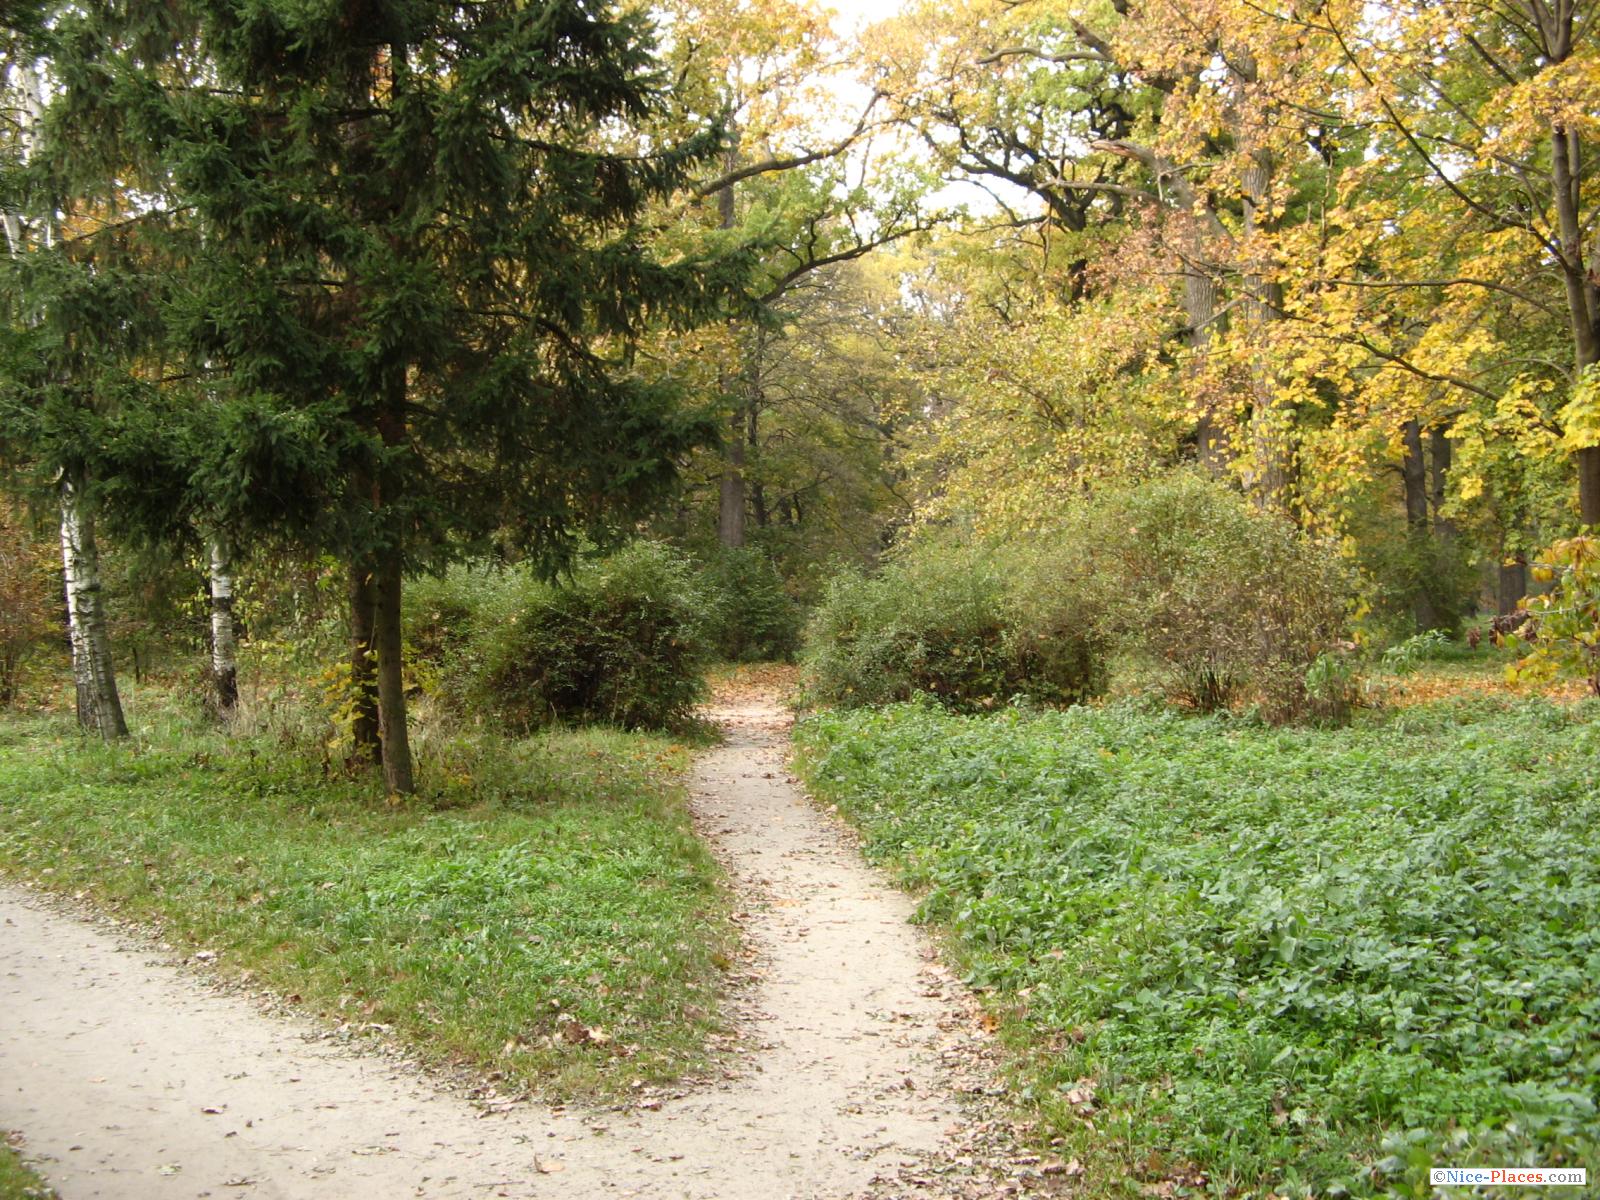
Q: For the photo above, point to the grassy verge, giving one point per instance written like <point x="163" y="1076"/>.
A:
<point x="18" y="1181"/>
<point x="545" y="911"/>
<point x="1244" y="960"/>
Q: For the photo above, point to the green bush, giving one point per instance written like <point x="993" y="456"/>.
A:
<point x="620" y="642"/>
<point x="752" y="618"/>
<point x="1232" y="602"/>
<point x="941" y="619"/>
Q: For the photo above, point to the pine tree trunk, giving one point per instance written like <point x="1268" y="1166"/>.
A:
<point x="99" y="706"/>
<point x="397" y="777"/>
<point x="386" y="582"/>
<point x="363" y="605"/>
<point x="224" y="664"/>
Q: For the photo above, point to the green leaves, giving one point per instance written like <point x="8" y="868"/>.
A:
<point x="1282" y="947"/>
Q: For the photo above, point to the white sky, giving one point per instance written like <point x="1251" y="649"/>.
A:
<point x="854" y="14"/>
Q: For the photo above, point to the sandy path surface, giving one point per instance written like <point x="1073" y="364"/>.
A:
<point x="130" y="1079"/>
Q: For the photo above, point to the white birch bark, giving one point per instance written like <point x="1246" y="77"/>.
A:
<point x="224" y="664"/>
<point x="99" y="705"/>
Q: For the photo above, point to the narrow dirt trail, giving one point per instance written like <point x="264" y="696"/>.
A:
<point x="131" y="1080"/>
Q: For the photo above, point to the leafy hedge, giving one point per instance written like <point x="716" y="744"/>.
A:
<point x="1300" y="961"/>
<point x="621" y="642"/>
<point x="942" y="621"/>
<point x="1228" y="603"/>
<point x="751" y="617"/>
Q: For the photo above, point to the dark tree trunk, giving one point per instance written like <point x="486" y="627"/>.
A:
<point x="758" y="494"/>
<point x="1589" y="485"/>
<point x="1414" y="471"/>
<point x="730" y="516"/>
<point x="386" y="580"/>
<point x="1439" y="452"/>
<point x="397" y="777"/>
<point x="1513" y="584"/>
<point x="730" y="507"/>
<point x="363" y="608"/>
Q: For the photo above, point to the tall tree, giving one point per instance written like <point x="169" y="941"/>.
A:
<point x="70" y="331"/>
<point x="422" y="267"/>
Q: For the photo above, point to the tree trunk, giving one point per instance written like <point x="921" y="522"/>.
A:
<point x="386" y="637"/>
<point x="1583" y="300"/>
<point x="730" y="507"/>
<point x="1512" y="586"/>
<point x="730" y="515"/>
<point x="1271" y="443"/>
<point x="397" y="778"/>
<point x="99" y="706"/>
<point x="224" y="664"/>
<point x="758" y="495"/>
<point x="1200" y="308"/>
<point x="1589" y="485"/>
<point x="1414" y="472"/>
<point x="363" y="606"/>
<point x="1439" y="457"/>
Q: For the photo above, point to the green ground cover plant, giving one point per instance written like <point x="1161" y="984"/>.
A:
<point x="543" y="910"/>
<point x="1254" y="960"/>
<point x="18" y="1181"/>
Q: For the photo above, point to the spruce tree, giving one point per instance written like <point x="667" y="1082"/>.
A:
<point x="411" y="270"/>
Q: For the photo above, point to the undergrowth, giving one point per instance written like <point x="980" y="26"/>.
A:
<point x="545" y="911"/>
<point x="1248" y="960"/>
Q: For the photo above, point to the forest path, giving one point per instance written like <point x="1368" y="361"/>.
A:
<point x="132" y="1080"/>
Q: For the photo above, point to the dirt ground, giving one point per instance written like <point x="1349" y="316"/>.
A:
<point x="865" y="1071"/>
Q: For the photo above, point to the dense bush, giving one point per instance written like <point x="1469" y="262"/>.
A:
<point x="1228" y="602"/>
<point x="752" y="617"/>
<point x="621" y="641"/>
<point x="1301" y="961"/>
<point x="1232" y="602"/>
<point x="942" y="619"/>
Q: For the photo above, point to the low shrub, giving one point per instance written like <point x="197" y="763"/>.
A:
<point x="751" y="617"/>
<point x="621" y="642"/>
<point x="941" y="619"/>
<point x="1233" y="602"/>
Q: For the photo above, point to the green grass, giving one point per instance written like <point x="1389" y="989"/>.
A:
<point x="544" y="910"/>
<point x="17" y="1180"/>
<point x="1291" y="961"/>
